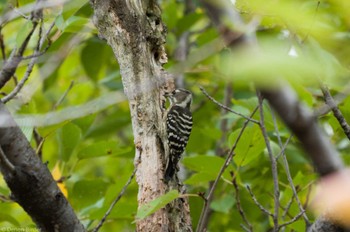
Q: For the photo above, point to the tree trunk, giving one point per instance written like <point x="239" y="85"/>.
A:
<point x="136" y="34"/>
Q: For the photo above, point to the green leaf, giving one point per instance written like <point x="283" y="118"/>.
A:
<point x="75" y="24"/>
<point x="158" y="203"/>
<point x="59" y="22"/>
<point x="250" y="145"/>
<point x="8" y="218"/>
<point x="103" y="148"/>
<point x="23" y="32"/>
<point x="112" y="81"/>
<point x="186" y="22"/>
<point x="171" y="15"/>
<point x="71" y="7"/>
<point x="200" y="178"/>
<point x="207" y="36"/>
<point x="27" y="131"/>
<point x="93" y="58"/>
<point x="211" y="132"/>
<point x="68" y="138"/>
<point x="207" y="166"/>
<point x="223" y="204"/>
<point x="84" y="123"/>
<point x="88" y="192"/>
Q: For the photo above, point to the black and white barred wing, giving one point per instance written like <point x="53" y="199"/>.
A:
<point x="179" y="126"/>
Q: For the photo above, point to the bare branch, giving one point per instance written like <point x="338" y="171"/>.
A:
<point x="204" y="213"/>
<point x="302" y="123"/>
<point x="39" y="143"/>
<point x="100" y="224"/>
<point x="2" y="45"/>
<point x="64" y="95"/>
<point x="239" y="206"/>
<point x="29" y="8"/>
<point x="286" y="209"/>
<point x="262" y="208"/>
<point x="286" y="167"/>
<point x="19" y="86"/>
<point x="227" y="108"/>
<point x="276" y="192"/>
<point x="336" y="112"/>
<point x="294" y="219"/>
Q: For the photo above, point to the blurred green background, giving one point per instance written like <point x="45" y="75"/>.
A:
<point x="88" y="137"/>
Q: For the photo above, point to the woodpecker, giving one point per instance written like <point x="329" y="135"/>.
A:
<point x="178" y="128"/>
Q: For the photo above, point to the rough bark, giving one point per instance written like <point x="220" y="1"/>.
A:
<point x="31" y="183"/>
<point x="136" y="34"/>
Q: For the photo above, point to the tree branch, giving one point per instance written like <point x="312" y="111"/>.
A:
<point x="31" y="183"/>
<point x="276" y="192"/>
<point x="262" y="208"/>
<point x="115" y="201"/>
<point x="239" y="205"/>
<point x="227" y="108"/>
<point x="301" y="122"/>
<point x="336" y="112"/>
<point x="204" y="214"/>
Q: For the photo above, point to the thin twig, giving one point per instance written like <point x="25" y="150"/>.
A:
<point x="292" y="220"/>
<point x="286" y="167"/>
<point x="204" y="101"/>
<point x="33" y="56"/>
<point x="239" y="206"/>
<point x="336" y="112"/>
<point x="64" y="95"/>
<point x="339" y="98"/>
<point x="17" y="11"/>
<point x="286" y="209"/>
<point x="258" y="204"/>
<point x="115" y="202"/>
<point x="29" y="70"/>
<point x="227" y="108"/>
<point x="245" y="228"/>
<point x="284" y="147"/>
<point x="204" y="213"/>
<point x="273" y="163"/>
<point x="2" y="45"/>
<point x="39" y="143"/>
<point x="220" y="150"/>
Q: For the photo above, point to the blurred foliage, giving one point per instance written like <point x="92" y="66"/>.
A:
<point x="301" y="41"/>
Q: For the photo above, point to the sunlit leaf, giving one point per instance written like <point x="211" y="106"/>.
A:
<point x="223" y="204"/>
<point x="88" y="192"/>
<point x="75" y="23"/>
<point x="23" y="33"/>
<point x="4" y="217"/>
<point x="250" y="145"/>
<point x="94" y="48"/>
<point x="57" y="175"/>
<point x="103" y="148"/>
<point x="158" y="203"/>
<point x="68" y="137"/>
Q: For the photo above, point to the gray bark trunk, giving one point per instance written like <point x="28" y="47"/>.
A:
<point x="136" y="34"/>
